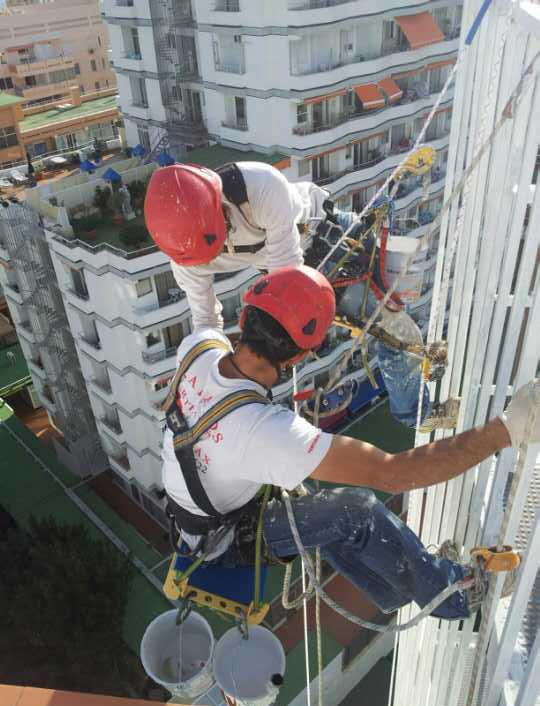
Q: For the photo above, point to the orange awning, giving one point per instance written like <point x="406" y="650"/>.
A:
<point x="420" y="29"/>
<point x="370" y="96"/>
<point x="392" y="90"/>
<point x="439" y="64"/>
<point x="318" y="99"/>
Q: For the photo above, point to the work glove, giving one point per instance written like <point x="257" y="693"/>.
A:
<point x="516" y="415"/>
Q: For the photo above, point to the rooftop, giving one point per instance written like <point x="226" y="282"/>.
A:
<point x="13" y="369"/>
<point x="59" y="115"/>
<point x="7" y="99"/>
<point x="217" y="155"/>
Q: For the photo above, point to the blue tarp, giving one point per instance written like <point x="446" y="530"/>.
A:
<point x="138" y="151"/>
<point x="164" y="159"/>
<point x="87" y="166"/>
<point x="111" y="175"/>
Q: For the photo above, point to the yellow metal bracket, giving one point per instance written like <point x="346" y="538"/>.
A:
<point x="496" y="559"/>
<point x="176" y="588"/>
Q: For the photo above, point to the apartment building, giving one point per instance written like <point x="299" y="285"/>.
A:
<point x="47" y="48"/>
<point x="338" y="87"/>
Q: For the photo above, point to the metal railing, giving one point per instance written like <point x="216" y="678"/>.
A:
<point x="226" y="6"/>
<point x="128" y="255"/>
<point x="232" y="68"/>
<point x="315" y="4"/>
<point x="159" y="355"/>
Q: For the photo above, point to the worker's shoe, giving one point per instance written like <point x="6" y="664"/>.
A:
<point x="443" y="415"/>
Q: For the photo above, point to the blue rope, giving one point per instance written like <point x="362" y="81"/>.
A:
<point x="477" y="22"/>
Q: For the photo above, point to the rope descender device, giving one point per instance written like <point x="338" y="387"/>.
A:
<point x="496" y="559"/>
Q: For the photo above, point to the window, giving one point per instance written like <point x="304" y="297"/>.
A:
<point x="97" y="85"/>
<point x="30" y="80"/>
<point x="103" y="64"/>
<point x="301" y="113"/>
<point x="135" y="42"/>
<point x="82" y="90"/>
<point x="153" y="338"/>
<point x="77" y="69"/>
<point x="93" y="65"/>
<point x="143" y="286"/>
<point x="99" y="40"/>
<point x="8" y="137"/>
<point x="6" y="83"/>
<point x="144" y="138"/>
<point x="107" y="82"/>
<point x="240" y="107"/>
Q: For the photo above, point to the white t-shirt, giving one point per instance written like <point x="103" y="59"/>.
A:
<point x="252" y="446"/>
<point x="275" y="208"/>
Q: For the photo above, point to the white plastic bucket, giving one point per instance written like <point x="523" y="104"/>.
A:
<point x="249" y="671"/>
<point x="179" y="657"/>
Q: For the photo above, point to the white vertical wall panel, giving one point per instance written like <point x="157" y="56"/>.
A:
<point x="493" y="348"/>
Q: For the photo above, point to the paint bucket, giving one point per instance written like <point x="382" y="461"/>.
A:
<point x="179" y="657"/>
<point x="249" y="670"/>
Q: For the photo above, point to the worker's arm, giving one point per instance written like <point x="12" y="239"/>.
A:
<point x="354" y="462"/>
<point x="276" y="208"/>
<point x="199" y="288"/>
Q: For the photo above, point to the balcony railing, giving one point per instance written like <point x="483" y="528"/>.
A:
<point x="159" y="355"/>
<point x="132" y="55"/>
<point x="327" y="179"/>
<point x="226" y="6"/>
<point x="124" y="3"/>
<point x="315" y="4"/>
<point x="387" y="47"/>
<point x="238" y="125"/>
<point x="140" y="104"/>
<point x="236" y="67"/>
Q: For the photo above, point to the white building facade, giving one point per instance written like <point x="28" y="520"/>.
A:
<point x="339" y="88"/>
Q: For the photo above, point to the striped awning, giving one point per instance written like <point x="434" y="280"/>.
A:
<point x="318" y="99"/>
<point x="370" y="96"/>
<point x="390" y="88"/>
<point x="420" y="29"/>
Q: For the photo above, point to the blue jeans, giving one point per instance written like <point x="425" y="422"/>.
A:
<point x="363" y="540"/>
<point x="400" y="371"/>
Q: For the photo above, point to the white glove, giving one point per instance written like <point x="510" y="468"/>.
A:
<point x="516" y="416"/>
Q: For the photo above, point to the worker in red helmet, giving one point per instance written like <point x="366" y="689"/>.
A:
<point x="246" y="214"/>
<point x="225" y="440"/>
<point x="242" y="215"/>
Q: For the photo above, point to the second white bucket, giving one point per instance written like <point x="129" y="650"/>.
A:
<point x="249" y="671"/>
<point x="179" y="657"/>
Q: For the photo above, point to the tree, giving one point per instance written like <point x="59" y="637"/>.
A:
<point x="133" y="234"/>
<point x="102" y="199"/>
<point x="66" y="594"/>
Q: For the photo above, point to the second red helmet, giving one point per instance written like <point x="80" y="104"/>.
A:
<point x="301" y="299"/>
<point x="183" y="212"/>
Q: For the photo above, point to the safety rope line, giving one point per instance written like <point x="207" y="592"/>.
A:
<point x="507" y="113"/>
<point x="426" y="610"/>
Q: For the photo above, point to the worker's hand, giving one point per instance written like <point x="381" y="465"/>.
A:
<point x="516" y="416"/>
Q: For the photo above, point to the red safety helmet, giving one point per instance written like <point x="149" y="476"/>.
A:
<point x="184" y="215"/>
<point x="301" y="299"/>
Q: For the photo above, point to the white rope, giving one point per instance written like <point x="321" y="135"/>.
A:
<point x="426" y="610"/>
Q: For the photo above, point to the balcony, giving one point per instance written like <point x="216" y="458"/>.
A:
<point x="36" y="66"/>
<point x="103" y="385"/>
<point x="226" y="6"/>
<point x="122" y="462"/>
<point x="360" y="68"/>
<point x="79" y="293"/>
<point x="315" y="4"/>
<point x="238" y="125"/>
<point x="187" y="70"/>
<point x="94" y="343"/>
<point x="112" y="425"/>
<point x="159" y="355"/>
<point x="235" y="67"/>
